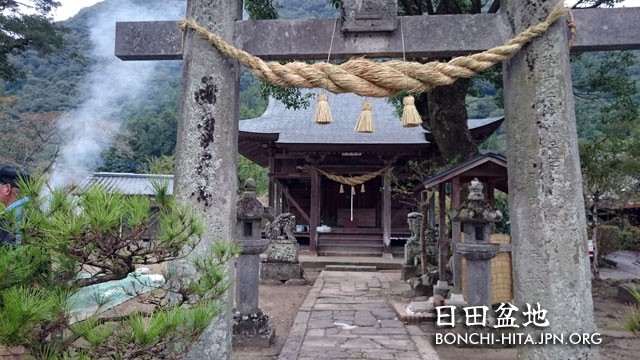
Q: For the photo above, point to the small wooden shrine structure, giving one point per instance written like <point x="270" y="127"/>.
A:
<point x="491" y="170"/>
<point x="304" y="160"/>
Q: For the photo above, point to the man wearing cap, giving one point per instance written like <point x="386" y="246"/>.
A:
<point x="11" y="198"/>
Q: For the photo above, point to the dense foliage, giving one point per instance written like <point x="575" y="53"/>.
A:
<point x="24" y="26"/>
<point x="105" y="236"/>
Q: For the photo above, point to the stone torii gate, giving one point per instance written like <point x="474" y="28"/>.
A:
<point x="547" y="212"/>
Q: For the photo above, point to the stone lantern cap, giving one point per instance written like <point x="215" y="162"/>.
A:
<point x="476" y="209"/>
<point x="249" y="207"/>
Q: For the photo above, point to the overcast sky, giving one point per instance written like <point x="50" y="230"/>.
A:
<point x="71" y="7"/>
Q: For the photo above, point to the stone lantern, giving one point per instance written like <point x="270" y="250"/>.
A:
<point x="251" y="325"/>
<point x="476" y="216"/>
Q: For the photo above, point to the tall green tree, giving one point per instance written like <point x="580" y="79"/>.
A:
<point x="610" y="170"/>
<point x="163" y="165"/>
<point x="605" y="91"/>
<point x="25" y="25"/>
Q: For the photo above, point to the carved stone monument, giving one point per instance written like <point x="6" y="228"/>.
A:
<point x="250" y="324"/>
<point x="412" y="247"/>
<point x="281" y="264"/>
<point x="368" y="15"/>
<point x="476" y="216"/>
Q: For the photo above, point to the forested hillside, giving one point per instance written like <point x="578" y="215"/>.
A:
<point x="605" y="83"/>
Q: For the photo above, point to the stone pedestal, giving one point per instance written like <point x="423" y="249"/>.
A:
<point x="282" y="264"/>
<point x="247" y="278"/>
<point x="442" y="288"/>
<point x="252" y="329"/>
<point x="280" y="271"/>
<point x="478" y="271"/>
<point x="282" y="250"/>
<point x="250" y="324"/>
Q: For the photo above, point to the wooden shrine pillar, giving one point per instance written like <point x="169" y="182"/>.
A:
<point x="314" y="210"/>
<point x="386" y="214"/>
<point x="490" y="195"/>
<point x="455" y="236"/>
<point x="272" y="183"/>
<point x="431" y="214"/>
<point x="442" y="232"/>
<point x="277" y="205"/>
<point x="271" y="194"/>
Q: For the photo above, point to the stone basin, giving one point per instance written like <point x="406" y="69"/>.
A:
<point x="252" y="247"/>
<point x="478" y="251"/>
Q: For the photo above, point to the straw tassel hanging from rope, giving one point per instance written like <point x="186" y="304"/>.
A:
<point x="323" y="113"/>
<point x="410" y="116"/>
<point x="365" y="121"/>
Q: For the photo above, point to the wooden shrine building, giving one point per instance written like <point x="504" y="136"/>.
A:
<point x="311" y="167"/>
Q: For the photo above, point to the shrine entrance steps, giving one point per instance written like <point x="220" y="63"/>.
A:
<point x="349" y="244"/>
<point x="319" y="263"/>
<point x="358" y="242"/>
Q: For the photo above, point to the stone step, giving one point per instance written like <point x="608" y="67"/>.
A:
<point x="350" y="241"/>
<point x="320" y="262"/>
<point x="350" y="268"/>
<point x="412" y="317"/>
<point x="351" y="245"/>
<point x="349" y="252"/>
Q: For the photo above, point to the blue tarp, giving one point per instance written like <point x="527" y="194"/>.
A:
<point x="98" y="298"/>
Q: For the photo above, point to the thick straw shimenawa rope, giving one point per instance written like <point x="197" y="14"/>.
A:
<point x="353" y="180"/>
<point x="367" y="78"/>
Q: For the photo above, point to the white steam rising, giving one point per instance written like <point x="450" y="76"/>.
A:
<point x="91" y="128"/>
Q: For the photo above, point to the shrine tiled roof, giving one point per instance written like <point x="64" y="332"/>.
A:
<point x="128" y="184"/>
<point x="488" y="166"/>
<point x="298" y="126"/>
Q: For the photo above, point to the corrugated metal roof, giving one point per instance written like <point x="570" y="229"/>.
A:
<point x="128" y="184"/>
<point x="298" y="126"/>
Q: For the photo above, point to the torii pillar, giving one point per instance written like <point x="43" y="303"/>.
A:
<point x="546" y="206"/>
<point x="207" y="147"/>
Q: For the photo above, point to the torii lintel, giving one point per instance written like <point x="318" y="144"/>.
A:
<point x="447" y="35"/>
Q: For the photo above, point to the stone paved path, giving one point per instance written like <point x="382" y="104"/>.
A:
<point x="345" y="317"/>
